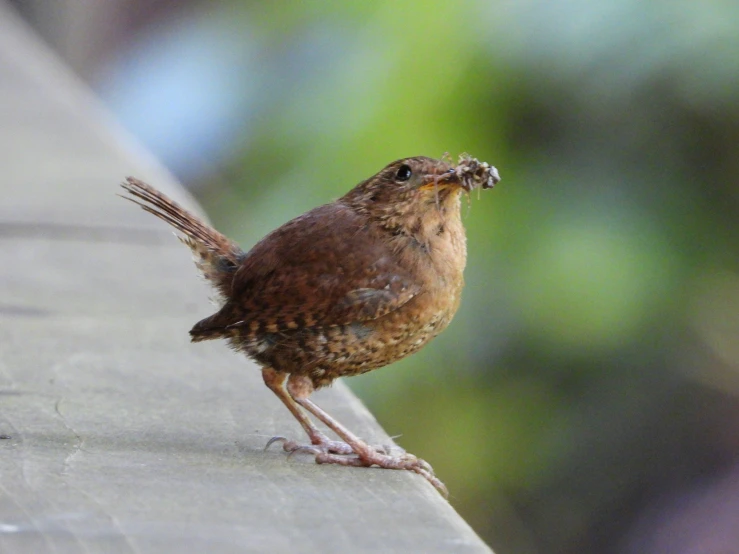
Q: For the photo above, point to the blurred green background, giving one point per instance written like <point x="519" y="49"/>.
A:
<point x="585" y="397"/>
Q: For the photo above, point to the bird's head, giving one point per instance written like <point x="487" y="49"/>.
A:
<point x="407" y="189"/>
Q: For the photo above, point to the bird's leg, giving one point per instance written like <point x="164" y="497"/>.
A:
<point x="300" y="387"/>
<point x="275" y="380"/>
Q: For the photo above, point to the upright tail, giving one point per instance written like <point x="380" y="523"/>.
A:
<point x="215" y="255"/>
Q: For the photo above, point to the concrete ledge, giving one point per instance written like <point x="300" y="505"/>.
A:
<point x="124" y="437"/>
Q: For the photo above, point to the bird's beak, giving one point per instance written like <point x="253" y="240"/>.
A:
<point x="448" y="179"/>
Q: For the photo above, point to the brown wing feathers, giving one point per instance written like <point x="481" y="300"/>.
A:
<point x="285" y="282"/>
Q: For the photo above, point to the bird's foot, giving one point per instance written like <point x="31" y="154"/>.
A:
<point x="405" y="461"/>
<point x="323" y="445"/>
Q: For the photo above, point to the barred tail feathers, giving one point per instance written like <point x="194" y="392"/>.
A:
<point x="215" y="255"/>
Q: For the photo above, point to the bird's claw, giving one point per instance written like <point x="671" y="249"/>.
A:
<point x="336" y="452"/>
<point x="273" y="440"/>
<point x="292" y="447"/>
<point x="323" y="445"/>
<point x="404" y="461"/>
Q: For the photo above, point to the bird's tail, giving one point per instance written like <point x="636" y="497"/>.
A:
<point x="215" y="255"/>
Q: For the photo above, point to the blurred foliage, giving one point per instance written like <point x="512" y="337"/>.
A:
<point x="591" y="372"/>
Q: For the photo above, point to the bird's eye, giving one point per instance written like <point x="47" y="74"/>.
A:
<point x="404" y="173"/>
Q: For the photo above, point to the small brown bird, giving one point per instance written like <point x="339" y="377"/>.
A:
<point x="345" y="288"/>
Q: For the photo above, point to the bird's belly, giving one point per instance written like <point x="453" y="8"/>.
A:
<point x="326" y="353"/>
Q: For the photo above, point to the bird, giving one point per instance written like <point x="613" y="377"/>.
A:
<point x="346" y="288"/>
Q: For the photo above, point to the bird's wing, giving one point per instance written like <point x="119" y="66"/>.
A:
<point x="325" y="268"/>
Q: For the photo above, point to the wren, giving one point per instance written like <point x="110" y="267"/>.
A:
<point x="343" y="289"/>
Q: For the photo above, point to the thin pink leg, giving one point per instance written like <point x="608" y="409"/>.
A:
<point x="275" y="380"/>
<point x="300" y="387"/>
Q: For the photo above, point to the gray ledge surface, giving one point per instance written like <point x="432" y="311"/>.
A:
<point x="119" y="435"/>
